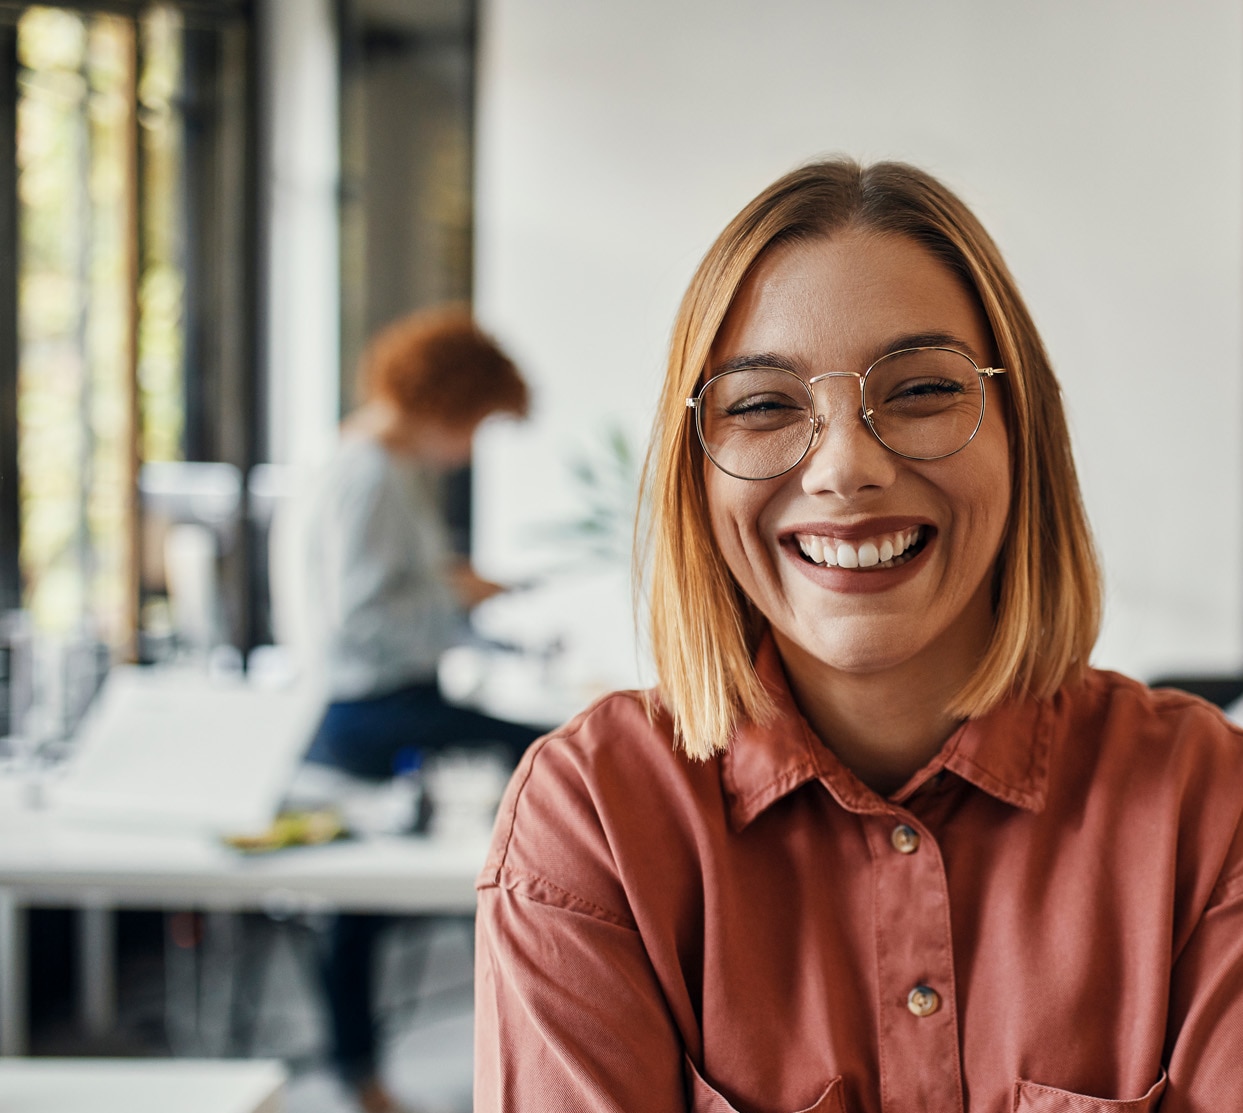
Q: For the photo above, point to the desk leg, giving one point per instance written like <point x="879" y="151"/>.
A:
<point x="97" y="986"/>
<point x="12" y="974"/>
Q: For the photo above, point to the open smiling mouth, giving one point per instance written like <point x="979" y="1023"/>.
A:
<point x="885" y="550"/>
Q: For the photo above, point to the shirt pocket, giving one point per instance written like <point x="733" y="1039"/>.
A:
<point x="702" y="1098"/>
<point x="1029" y="1097"/>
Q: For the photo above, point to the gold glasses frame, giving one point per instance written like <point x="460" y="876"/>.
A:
<point x="816" y="421"/>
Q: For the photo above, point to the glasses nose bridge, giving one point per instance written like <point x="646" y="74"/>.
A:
<point x="820" y="419"/>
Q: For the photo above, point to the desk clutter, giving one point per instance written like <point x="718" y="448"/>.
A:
<point x="183" y="789"/>
<point x="452" y="796"/>
<point x="181" y="748"/>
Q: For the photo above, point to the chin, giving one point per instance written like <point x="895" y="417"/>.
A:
<point x="857" y="652"/>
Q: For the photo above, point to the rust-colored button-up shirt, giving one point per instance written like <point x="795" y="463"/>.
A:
<point x="1049" y="916"/>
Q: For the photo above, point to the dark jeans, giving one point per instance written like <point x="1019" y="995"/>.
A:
<point x="364" y="737"/>
<point x="348" y="970"/>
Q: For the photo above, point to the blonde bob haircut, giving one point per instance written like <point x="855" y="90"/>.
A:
<point x="1047" y="588"/>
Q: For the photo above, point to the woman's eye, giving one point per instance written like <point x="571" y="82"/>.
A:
<point x="924" y="397"/>
<point x="746" y="406"/>
<point x="923" y="388"/>
<point x="754" y="401"/>
<point x="762" y="413"/>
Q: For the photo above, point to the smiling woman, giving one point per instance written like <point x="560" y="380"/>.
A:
<point x="860" y="848"/>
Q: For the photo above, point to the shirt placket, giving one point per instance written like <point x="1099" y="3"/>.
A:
<point x="917" y="1014"/>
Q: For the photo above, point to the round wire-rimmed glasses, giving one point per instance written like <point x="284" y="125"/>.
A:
<point x="920" y="403"/>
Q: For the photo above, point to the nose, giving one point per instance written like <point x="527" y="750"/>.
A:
<point x="845" y="457"/>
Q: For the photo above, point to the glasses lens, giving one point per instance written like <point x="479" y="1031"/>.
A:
<point x="924" y="403"/>
<point x="755" y="423"/>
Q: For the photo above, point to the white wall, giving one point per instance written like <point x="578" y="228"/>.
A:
<point x="1100" y="141"/>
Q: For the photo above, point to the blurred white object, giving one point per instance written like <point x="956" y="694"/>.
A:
<point x="462" y="672"/>
<point x="170" y="747"/>
<point x="225" y="664"/>
<point x="578" y="629"/>
<point x="366" y="807"/>
<point x="271" y="666"/>
<point x="17" y="666"/>
<point x="65" y="673"/>
<point x="1234" y="712"/>
<point x="294" y="627"/>
<point x="391" y="809"/>
<point x="527" y="684"/>
<point x="315" y="786"/>
<point x="190" y="572"/>
<point x="465" y="787"/>
<point x="268" y="488"/>
<point x="191" y="515"/>
<point x="191" y="490"/>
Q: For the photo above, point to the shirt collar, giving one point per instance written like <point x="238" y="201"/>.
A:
<point x="1004" y="753"/>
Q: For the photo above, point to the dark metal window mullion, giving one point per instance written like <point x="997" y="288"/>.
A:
<point x="10" y="570"/>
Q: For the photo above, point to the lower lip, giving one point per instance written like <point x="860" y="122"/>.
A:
<point x="849" y="581"/>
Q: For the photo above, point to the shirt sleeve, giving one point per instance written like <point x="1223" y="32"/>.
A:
<point x="568" y="1013"/>
<point x="1206" y="1021"/>
<point x="571" y="1011"/>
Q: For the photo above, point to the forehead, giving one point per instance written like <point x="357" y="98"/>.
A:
<point x="848" y="298"/>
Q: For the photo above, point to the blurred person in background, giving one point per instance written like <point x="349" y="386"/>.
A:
<point x="389" y="596"/>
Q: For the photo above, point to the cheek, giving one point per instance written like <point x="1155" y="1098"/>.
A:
<point x="721" y="519"/>
<point x="734" y="513"/>
<point x="1002" y="480"/>
<point x="988" y="496"/>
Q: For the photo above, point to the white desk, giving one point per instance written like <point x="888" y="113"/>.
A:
<point x="155" y="750"/>
<point x="141" y="1086"/>
<point x="44" y="861"/>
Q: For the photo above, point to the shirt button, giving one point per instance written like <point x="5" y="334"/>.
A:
<point x="923" y="1000"/>
<point x="905" y="839"/>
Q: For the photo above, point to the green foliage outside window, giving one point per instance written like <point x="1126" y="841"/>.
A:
<point x="81" y="210"/>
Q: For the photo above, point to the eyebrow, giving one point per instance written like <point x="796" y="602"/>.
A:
<point x="756" y="359"/>
<point x="928" y="340"/>
<point x="895" y="344"/>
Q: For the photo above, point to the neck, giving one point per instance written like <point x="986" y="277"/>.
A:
<point x="883" y="726"/>
<point x="384" y="423"/>
<point x="373" y="419"/>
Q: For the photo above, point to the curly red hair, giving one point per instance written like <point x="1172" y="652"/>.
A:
<point x="437" y="366"/>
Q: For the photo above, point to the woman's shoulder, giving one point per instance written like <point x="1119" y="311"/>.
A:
<point x="589" y="800"/>
<point x="360" y="459"/>
<point x="1178" y="760"/>
<point x="356" y="466"/>
<point x="1165" y="758"/>
<point x="1155" y="717"/>
<point x="617" y="755"/>
<point x="361" y="480"/>
<point x="622" y="730"/>
<point x="1118" y="722"/>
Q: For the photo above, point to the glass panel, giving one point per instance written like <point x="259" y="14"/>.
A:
<point x="74" y="193"/>
<point x="135" y="302"/>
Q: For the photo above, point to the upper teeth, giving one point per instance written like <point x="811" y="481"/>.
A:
<point x="858" y="554"/>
